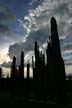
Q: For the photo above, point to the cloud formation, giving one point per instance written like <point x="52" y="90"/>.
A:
<point x="5" y="16"/>
<point x="40" y="16"/>
<point x="37" y="26"/>
<point x="5" y="13"/>
<point x="4" y="30"/>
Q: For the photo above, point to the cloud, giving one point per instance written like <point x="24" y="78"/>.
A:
<point x="67" y="43"/>
<point x="6" y="16"/>
<point x="4" y="30"/>
<point x="6" y="64"/>
<point x="6" y="19"/>
<point x="41" y="16"/>
<point x="32" y="2"/>
<point x="37" y="25"/>
<point x="27" y="59"/>
<point x="40" y="35"/>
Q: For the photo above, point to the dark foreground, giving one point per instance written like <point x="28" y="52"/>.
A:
<point x="9" y="101"/>
<point x="30" y="103"/>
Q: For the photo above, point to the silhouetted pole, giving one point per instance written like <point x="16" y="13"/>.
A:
<point x="22" y="65"/>
<point x="37" y="69"/>
<point x="50" y="70"/>
<point x="0" y="78"/>
<point x="32" y="62"/>
<point x="13" y="69"/>
<point x="28" y="81"/>
<point x="0" y="73"/>
<point x="28" y="70"/>
<point x="36" y="50"/>
<point x="13" y="76"/>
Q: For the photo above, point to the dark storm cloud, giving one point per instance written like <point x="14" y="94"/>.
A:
<point x="6" y="16"/>
<point x="4" y="29"/>
<point x="6" y="13"/>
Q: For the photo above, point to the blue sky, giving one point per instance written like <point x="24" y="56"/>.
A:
<point x="24" y="21"/>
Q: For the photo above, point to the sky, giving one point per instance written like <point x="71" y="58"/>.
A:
<point x="22" y="22"/>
